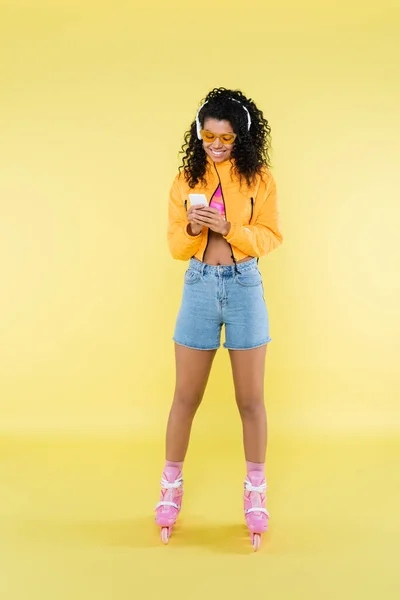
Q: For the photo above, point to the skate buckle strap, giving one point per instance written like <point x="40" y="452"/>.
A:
<point x="163" y="503"/>
<point x="255" y="488"/>
<point x="256" y="509"/>
<point x="167" y="485"/>
<point x="259" y="489"/>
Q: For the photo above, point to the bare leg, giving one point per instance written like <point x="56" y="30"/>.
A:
<point x="248" y="368"/>
<point x="192" y="371"/>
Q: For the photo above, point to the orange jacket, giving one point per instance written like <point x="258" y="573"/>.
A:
<point x="252" y="211"/>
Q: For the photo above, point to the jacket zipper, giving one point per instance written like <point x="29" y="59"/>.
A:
<point x="226" y="216"/>
<point x="252" y="209"/>
<point x="208" y="235"/>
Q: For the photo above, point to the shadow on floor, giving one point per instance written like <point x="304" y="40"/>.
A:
<point x="139" y="533"/>
<point x="286" y="536"/>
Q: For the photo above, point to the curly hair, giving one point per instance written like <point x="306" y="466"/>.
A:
<point x="251" y="148"/>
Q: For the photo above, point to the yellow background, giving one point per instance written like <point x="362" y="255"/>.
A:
<point x="94" y="101"/>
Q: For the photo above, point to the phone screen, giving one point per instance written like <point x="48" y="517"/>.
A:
<point x="198" y="199"/>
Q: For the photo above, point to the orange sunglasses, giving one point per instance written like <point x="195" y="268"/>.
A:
<point x="209" y="137"/>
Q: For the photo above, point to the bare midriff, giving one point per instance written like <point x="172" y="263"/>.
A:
<point x="219" y="251"/>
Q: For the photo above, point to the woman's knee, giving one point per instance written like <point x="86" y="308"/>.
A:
<point x="251" y="407"/>
<point x="187" y="401"/>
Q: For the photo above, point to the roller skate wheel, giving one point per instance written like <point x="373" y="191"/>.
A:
<point x="165" y="534"/>
<point x="256" y="541"/>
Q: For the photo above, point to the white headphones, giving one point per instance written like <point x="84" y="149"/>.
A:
<point x="198" y="124"/>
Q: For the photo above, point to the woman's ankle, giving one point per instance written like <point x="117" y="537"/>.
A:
<point x="174" y="464"/>
<point x="251" y="466"/>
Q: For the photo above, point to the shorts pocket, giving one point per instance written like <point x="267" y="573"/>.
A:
<point x="249" y="278"/>
<point x="192" y="276"/>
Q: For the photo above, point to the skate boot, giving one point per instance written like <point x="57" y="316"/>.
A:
<point x="255" y="511"/>
<point x="169" y="507"/>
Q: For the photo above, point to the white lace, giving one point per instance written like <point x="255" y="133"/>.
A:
<point x="167" y="485"/>
<point x="259" y="489"/>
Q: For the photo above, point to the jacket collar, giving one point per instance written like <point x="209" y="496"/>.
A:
<point x="226" y="164"/>
<point x="222" y="169"/>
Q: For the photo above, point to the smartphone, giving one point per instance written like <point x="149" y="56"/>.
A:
<point x="198" y="199"/>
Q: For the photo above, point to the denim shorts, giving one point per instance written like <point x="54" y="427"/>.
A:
<point x="225" y="295"/>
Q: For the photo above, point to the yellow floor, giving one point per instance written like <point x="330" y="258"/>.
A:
<point x="76" y="522"/>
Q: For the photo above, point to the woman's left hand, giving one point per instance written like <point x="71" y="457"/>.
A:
<point x="212" y="218"/>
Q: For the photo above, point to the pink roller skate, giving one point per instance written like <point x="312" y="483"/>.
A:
<point x="169" y="507"/>
<point x="255" y="512"/>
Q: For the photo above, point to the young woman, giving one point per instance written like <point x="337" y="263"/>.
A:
<point x="226" y="161"/>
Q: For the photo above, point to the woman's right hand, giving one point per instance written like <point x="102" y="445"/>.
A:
<point x="195" y="228"/>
